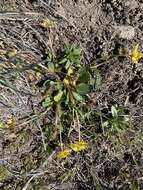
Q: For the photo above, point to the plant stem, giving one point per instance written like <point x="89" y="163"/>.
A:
<point x="78" y="123"/>
<point x="58" y="123"/>
<point x="61" y="142"/>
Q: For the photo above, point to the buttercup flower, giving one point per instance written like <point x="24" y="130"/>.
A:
<point x="11" y="52"/>
<point x="66" y="82"/>
<point x="70" y="72"/>
<point x="46" y="23"/>
<point x="78" y="146"/>
<point x="135" y="54"/>
<point x="10" y="122"/>
<point x="63" y="154"/>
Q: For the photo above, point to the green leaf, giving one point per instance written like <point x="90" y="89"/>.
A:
<point x="114" y="111"/>
<point x="46" y="84"/>
<point x="84" y="75"/>
<point x="52" y="83"/>
<point x="83" y="88"/>
<point x="59" y="85"/>
<point x="51" y="66"/>
<point x="58" y="97"/>
<point x="76" y="51"/>
<point x="68" y="64"/>
<point x="78" y="97"/>
<point x="64" y="60"/>
<point x="47" y="102"/>
<point x="67" y="97"/>
<point x="72" y="54"/>
<point x="49" y="56"/>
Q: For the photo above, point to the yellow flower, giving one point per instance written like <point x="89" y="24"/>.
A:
<point x="46" y="23"/>
<point x="10" y="122"/>
<point x="63" y="154"/>
<point x="69" y="82"/>
<point x="66" y="82"/>
<point x="70" y="72"/>
<point x="78" y="146"/>
<point x="135" y="54"/>
<point x="11" y="52"/>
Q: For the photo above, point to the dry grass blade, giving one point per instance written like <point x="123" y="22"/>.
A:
<point x="12" y="87"/>
<point x="19" y="16"/>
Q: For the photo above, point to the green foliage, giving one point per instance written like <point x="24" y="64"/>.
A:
<point x="71" y="56"/>
<point x="66" y="91"/>
<point x="83" y="88"/>
<point x="58" y="97"/>
<point x="71" y="81"/>
<point x="118" y="119"/>
<point x="78" y="97"/>
<point x="47" y="102"/>
<point x="84" y="76"/>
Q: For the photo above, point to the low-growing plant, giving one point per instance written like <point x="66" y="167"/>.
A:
<point x="117" y="120"/>
<point x="67" y="89"/>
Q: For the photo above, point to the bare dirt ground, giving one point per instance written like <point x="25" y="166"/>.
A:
<point x="100" y="28"/>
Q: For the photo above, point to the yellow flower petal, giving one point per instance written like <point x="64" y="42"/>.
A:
<point x="63" y="154"/>
<point x="10" y="122"/>
<point x="135" y="54"/>
<point x="78" y="146"/>
<point x="66" y="82"/>
<point x="70" y="72"/>
<point x="11" y="52"/>
<point x="46" y="23"/>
